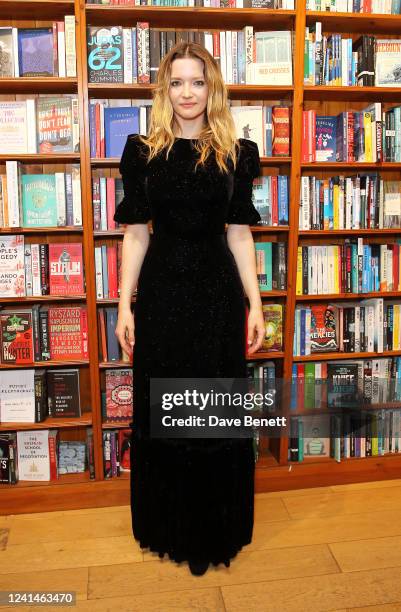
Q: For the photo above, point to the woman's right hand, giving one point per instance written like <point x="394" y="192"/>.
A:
<point x="125" y="330"/>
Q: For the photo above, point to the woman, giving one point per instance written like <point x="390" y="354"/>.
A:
<point x="190" y="498"/>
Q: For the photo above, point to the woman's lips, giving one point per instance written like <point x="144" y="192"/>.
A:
<point x="188" y="104"/>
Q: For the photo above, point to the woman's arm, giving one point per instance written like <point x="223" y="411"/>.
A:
<point x="240" y="242"/>
<point x="135" y="245"/>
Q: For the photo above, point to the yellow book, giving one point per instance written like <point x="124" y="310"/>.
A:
<point x="336" y="270"/>
<point x="299" y="272"/>
<point x="367" y="126"/>
<point x="396" y="327"/>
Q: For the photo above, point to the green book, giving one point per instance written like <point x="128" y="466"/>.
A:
<point x="39" y="203"/>
<point x="264" y="265"/>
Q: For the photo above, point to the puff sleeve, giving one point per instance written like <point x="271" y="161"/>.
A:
<point x="134" y="207"/>
<point x="241" y="209"/>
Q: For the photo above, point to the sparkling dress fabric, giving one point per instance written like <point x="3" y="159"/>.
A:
<point x="192" y="499"/>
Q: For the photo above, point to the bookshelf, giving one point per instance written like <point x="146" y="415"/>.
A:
<point x="273" y="470"/>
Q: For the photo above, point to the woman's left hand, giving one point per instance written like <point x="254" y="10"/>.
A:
<point x="256" y="330"/>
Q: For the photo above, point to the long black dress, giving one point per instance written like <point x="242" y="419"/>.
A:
<point x="190" y="498"/>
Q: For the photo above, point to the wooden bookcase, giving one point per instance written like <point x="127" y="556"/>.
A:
<point x="273" y="471"/>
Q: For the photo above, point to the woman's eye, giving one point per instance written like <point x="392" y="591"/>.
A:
<point x="174" y="83"/>
<point x="200" y="83"/>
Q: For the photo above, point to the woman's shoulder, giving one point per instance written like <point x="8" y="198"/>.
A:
<point x="248" y="164"/>
<point x="134" y="154"/>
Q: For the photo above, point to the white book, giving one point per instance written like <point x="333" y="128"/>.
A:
<point x="17" y="396"/>
<point x="223" y="56"/>
<point x="142" y="121"/>
<point x="273" y="64"/>
<point x="35" y="258"/>
<point x="13" y="194"/>
<point x="28" y="269"/>
<point x="76" y="195"/>
<point x="33" y="455"/>
<point x="229" y="58"/>
<point x="99" y="272"/>
<point x="249" y="124"/>
<point x="15" y="52"/>
<point x="248" y="36"/>
<point x="103" y="203"/>
<point x="127" y="42"/>
<point x="60" y="199"/>
<point x="61" y="49"/>
<point x="305" y="198"/>
<point x="13" y="127"/>
<point x="12" y="269"/>
<point x="31" y="123"/>
<point x="75" y="123"/>
<point x="70" y="46"/>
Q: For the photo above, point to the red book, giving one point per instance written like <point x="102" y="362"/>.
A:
<point x="118" y="394"/>
<point x="97" y="124"/>
<point x="112" y="271"/>
<point x="305" y="134"/>
<point x="66" y="268"/>
<point x="281" y="131"/>
<point x="274" y="201"/>
<point x="110" y="202"/>
<point x="53" y="454"/>
<point x="124" y="445"/>
<point x="67" y="333"/>
<point x="301" y="386"/>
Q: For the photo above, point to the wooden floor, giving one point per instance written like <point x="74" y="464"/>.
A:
<point x="333" y="548"/>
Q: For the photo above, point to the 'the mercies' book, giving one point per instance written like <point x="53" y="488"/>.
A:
<point x="118" y="124"/>
<point x="323" y="330"/>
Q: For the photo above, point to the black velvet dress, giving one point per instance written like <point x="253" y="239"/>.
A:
<point x="190" y="498"/>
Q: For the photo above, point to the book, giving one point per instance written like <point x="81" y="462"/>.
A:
<point x="105" y="54"/>
<point x="118" y="124"/>
<point x="35" y="52"/>
<point x="66" y="268"/>
<point x="12" y="270"/>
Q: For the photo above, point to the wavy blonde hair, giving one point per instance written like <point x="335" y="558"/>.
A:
<point x="218" y="133"/>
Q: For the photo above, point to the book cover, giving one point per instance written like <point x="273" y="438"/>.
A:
<point x="63" y="393"/>
<point x="35" y="52"/>
<point x="273" y="315"/>
<point x="325" y="137"/>
<point x="33" y="455"/>
<point x="249" y="124"/>
<point x="16" y="336"/>
<point x="119" y="395"/>
<point x="54" y="125"/>
<point x="66" y="268"/>
<point x="388" y="63"/>
<point x="342" y="384"/>
<point x="13" y="127"/>
<point x="68" y="334"/>
<point x="105" y="55"/>
<point x="323" y="332"/>
<point x="12" y="269"/>
<point x="273" y="58"/>
<point x="39" y="204"/>
<point x="6" y="52"/>
<point x="17" y="396"/>
<point x="118" y="124"/>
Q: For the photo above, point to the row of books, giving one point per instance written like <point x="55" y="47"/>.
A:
<point x="362" y="201"/>
<point x="31" y="269"/>
<point x="117" y="397"/>
<point x="41" y="456"/>
<point x="31" y="396"/>
<point x="268" y="126"/>
<point x="387" y="7"/>
<point x="108" y="270"/>
<point x="354" y="327"/>
<point x="107" y="192"/>
<point x="40" y="200"/>
<point x="270" y="196"/>
<point x="369" y="135"/>
<point x="39" y="125"/>
<point x="134" y="54"/>
<point x="336" y="60"/>
<point x="116" y="452"/>
<point x="264" y="4"/>
<point x="370" y="434"/>
<point x="271" y="265"/>
<point x="352" y="267"/>
<point x="327" y="385"/>
<point x="43" y="333"/>
<point x="39" y="52"/>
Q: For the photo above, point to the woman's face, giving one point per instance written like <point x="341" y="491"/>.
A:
<point x="188" y="89"/>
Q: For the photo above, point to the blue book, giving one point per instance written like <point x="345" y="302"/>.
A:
<point x="119" y="123"/>
<point x="113" y="347"/>
<point x="264" y="268"/>
<point x="92" y="129"/>
<point x="268" y="130"/>
<point x="282" y="199"/>
<point x="35" y="52"/>
<point x="134" y="56"/>
<point x="325" y="138"/>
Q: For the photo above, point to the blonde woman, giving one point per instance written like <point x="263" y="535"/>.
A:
<point x="191" y="499"/>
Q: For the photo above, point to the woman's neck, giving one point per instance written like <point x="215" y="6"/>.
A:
<point x="187" y="129"/>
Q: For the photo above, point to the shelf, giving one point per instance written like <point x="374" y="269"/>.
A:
<point x="348" y="232"/>
<point x="45" y="364"/>
<point x="43" y="298"/>
<point x="114" y="364"/>
<point x="347" y="296"/>
<point x="41" y="230"/>
<point x="27" y="9"/>
<point x="41" y="158"/>
<point x="341" y="356"/>
<point x="117" y="425"/>
<point x="355" y="22"/>
<point x="331" y="93"/>
<point x="273" y="293"/>
<point x="63" y="479"/>
<point x="236" y="92"/>
<point x="50" y="423"/>
<point x="38" y="85"/>
<point x="191" y="17"/>
<point x="351" y="165"/>
<point x="265" y="355"/>
<point x="114" y="162"/>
